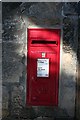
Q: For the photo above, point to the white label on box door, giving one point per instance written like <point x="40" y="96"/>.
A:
<point x="42" y="67"/>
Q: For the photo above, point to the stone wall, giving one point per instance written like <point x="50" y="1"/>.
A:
<point x="78" y="66"/>
<point x="14" y="76"/>
<point x="0" y="60"/>
<point x="69" y="58"/>
<point x="14" y="50"/>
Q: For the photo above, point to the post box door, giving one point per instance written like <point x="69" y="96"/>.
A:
<point x="43" y="67"/>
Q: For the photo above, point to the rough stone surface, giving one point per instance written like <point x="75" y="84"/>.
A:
<point x="42" y="18"/>
<point x="5" y="102"/>
<point x="70" y="8"/>
<point x="78" y="81"/>
<point x="0" y="60"/>
<point x="14" y="49"/>
<point x="12" y="60"/>
<point x="5" y="98"/>
<point x="44" y="118"/>
<point x="69" y="58"/>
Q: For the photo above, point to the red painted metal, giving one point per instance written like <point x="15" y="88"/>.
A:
<point x="43" y="91"/>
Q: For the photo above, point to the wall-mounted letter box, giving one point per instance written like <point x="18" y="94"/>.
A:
<point x="43" y="61"/>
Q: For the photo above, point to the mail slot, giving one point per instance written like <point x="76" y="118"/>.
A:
<point x="43" y="61"/>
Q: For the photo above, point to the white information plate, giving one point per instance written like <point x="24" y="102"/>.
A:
<point x="42" y="67"/>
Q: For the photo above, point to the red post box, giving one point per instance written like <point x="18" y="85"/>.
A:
<point x="43" y="60"/>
